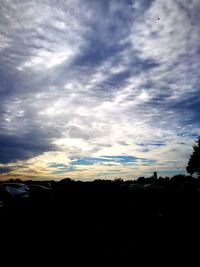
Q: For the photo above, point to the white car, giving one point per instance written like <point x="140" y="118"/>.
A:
<point x="16" y="190"/>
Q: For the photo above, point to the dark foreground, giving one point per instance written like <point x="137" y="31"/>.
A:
<point x="103" y="226"/>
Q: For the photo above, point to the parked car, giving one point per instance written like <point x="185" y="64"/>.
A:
<point x="153" y="188"/>
<point x="136" y="187"/>
<point x="15" y="190"/>
<point x="4" y="197"/>
<point x="39" y="190"/>
<point x="1" y="204"/>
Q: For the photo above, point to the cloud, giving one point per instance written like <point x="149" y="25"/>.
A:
<point x="5" y="169"/>
<point x="94" y="79"/>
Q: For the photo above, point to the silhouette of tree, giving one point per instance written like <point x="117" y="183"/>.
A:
<point x="194" y="161"/>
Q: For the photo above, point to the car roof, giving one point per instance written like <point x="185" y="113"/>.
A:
<point x="13" y="184"/>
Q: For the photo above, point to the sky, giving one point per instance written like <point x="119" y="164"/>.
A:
<point x="98" y="89"/>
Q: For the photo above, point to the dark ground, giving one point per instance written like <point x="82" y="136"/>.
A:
<point x="95" y="225"/>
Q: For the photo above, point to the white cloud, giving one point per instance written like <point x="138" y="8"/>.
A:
<point x="47" y="59"/>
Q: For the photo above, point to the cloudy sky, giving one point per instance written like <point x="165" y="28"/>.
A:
<point x="94" y="89"/>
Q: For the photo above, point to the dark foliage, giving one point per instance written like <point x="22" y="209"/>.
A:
<point x="194" y="161"/>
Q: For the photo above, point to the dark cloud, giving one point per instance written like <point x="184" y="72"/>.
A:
<point x="6" y="169"/>
<point x="15" y="148"/>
